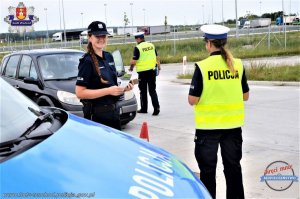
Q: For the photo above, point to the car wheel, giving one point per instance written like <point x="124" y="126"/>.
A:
<point x="44" y="101"/>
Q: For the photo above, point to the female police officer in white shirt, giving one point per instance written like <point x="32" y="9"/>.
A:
<point x="218" y="89"/>
<point x="96" y="84"/>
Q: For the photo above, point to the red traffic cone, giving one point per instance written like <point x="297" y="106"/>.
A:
<point x="144" y="132"/>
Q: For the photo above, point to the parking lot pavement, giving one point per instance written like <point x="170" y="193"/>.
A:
<point x="271" y="132"/>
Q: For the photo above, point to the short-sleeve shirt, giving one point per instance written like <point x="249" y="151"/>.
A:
<point x="197" y="81"/>
<point x="89" y="78"/>
<point x="136" y="53"/>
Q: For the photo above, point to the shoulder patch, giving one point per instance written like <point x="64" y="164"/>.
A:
<point x="83" y="58"/>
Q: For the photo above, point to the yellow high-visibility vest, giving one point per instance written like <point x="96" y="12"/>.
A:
<point x="221" y="104"/>
<point x="147" y="59"/>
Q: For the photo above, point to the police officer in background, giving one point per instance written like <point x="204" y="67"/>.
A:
<point x="218" y="89"/>
<point x="96" y="84"/>
<point x="147" y="64"/>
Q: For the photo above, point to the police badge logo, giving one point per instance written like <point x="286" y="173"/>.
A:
<point x="21" y="13"/>
<point x="100" y="26"/>
<point x="21" y="18"/>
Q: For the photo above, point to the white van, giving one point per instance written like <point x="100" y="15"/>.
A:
<point x="57" y="36"/>
<point x="111" y="32"/>
<point x="246" y="24"/>
<point x="84" y="37"/>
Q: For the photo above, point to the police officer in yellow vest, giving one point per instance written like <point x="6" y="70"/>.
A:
<point x="218" y="90"/>
<point x="147" y="64"/>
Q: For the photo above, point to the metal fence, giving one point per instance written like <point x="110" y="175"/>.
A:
<point x="173" y="36"/>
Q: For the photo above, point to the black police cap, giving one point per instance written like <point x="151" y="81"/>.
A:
<point x="97" y="28"/>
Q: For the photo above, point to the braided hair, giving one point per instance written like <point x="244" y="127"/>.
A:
<point x="91" y="51"/>
<point x="225" y="53"/>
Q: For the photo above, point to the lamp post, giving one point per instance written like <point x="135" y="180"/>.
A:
<point x="47" y="24"/>
<point x="131" y="4"/>
<point x="222" y="14"/>
<point x="236" y="21"/>
<point x="203" y="14"/>
<point x="105" y="13"/>
<point x="81" y="19"/>
<point x="59" y="15"/>
<point x="64" y="24"/>
<point x="144" y="15"/>
<point x="260" y="8"/>
<point x="212" y="12"/>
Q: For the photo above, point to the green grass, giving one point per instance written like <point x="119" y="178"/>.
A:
<point x="264" y="73"/>
<point x="282" y="73"/>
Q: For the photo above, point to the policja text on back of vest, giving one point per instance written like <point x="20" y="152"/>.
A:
<point x="222" y="74"/>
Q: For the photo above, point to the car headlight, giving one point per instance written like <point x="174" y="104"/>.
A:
<point x="68" y="98"/>
<point x="128" y="95"/>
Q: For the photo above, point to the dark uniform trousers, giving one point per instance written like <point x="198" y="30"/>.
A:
<point x="206" y="149"/>
<point x="148" y="79"/>
<point x="108" y="115"/>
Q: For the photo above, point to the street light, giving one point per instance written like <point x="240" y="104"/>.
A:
<point x="47" y="24"/>
<point x="212" y="12"/>
<point x="59" y="15"/>
<point x="236" y="21"/>
<point x="105" y="13"/>
<point x="260" y="8"/>
<point x="64" y="24"/>
<point x="222" y="14"/>
<point x="203" y="14"/>
<point x="144" y="15"/>
<point x="131" y="4"/>
<point x="81" y="19"/>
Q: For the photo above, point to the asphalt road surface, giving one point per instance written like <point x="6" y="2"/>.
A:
<point x="271" y="132"/>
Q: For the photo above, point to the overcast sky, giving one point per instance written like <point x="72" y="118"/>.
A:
<point x="79" y="13"/>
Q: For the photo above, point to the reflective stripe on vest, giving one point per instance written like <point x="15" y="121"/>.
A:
<point x="147" y="59"/>
<point x="221" y="104"/>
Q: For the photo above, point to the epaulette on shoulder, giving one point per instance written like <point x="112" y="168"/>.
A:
<point x="84" y="57"/>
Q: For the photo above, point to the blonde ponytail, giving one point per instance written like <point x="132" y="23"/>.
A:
<point x="225" y="53"/>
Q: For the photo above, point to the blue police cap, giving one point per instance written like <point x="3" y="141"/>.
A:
<point x="214" y="31"/>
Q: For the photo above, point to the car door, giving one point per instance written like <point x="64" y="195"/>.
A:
<point x="118" y="63"/>
<point x="27" y="69"/>
<point x="9" y="70"/>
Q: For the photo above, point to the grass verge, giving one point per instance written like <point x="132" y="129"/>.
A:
<point x="264" y="73"/>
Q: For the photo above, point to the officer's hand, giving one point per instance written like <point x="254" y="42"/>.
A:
<point x="116" y="90"/>
<point x="129" y="87"/>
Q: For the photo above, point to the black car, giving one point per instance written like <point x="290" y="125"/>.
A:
<point x="48" y="77"/>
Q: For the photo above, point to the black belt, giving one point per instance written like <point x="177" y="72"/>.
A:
<point x="103" y="107"/>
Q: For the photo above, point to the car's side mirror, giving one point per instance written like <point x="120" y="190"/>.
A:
<point x="31" y="80"/>
<point x="118" y="63"/>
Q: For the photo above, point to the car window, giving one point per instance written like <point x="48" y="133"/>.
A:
<point x="25" y="66"/>
<point x="118" y="62"/>
<point x="4" y="61"/>
<point x="15" y="115"/>
<point x="59" y="66"/>
<point x="33" y="72"/>
<point x="11" y="67"/>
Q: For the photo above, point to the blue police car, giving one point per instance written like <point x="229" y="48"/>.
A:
<point x="49" y="153"/>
